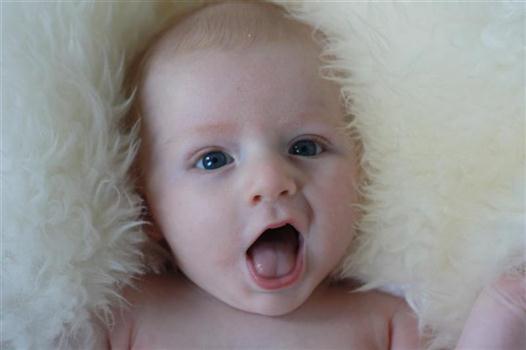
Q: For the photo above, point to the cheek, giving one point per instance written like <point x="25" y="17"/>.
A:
<point x="336" y="195"/>
<point x="195" y="223"/>
<point x="337" y="186"/>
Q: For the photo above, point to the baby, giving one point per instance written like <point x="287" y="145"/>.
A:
<point x="250" y="177"/>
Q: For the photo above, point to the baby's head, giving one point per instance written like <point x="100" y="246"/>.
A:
<point x="247" y="168"/>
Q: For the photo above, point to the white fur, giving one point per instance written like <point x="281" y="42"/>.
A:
<point x="438" y="94"/>
<point x="70" y="219"/>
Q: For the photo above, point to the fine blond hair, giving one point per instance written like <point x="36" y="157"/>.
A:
<point x="224" y="25"/>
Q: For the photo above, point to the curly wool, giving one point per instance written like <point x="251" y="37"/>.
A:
<point x="70" y="217"/>
<point x="437" y="91"/>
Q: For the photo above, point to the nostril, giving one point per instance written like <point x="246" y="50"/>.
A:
<point x="258" y="198"/>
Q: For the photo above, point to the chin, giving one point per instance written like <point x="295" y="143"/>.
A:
<point x="272" y="310"/>
<point x="273" y="305"/>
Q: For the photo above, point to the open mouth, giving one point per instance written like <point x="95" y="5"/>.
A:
<point x="274" y="259"/>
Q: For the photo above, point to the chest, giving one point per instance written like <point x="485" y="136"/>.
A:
<point x="225" y="329"/>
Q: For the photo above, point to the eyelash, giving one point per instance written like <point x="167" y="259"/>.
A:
<point x="320" y="144"/>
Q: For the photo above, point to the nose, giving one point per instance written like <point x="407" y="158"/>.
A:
<point x="271" y="179"/>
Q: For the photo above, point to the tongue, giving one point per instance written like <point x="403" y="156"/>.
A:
<point x="274" y="258"/>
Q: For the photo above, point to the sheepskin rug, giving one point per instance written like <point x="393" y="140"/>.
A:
<point x="438" y="95"/>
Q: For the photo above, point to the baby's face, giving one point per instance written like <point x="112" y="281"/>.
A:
<point x="239" y="142"/>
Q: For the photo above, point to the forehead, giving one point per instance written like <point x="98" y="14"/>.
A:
<point x="275" y="81"/>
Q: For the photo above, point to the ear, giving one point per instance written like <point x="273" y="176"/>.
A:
<point x="150" y="227"/>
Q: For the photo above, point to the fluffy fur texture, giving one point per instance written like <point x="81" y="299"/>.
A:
<point x="70" y="218"/>
<point x="438" y="95"/>
<point x="437" y="91"/>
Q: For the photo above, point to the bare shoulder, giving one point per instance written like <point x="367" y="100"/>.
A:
<point x="149" y="296"/>
<point x="400" y="320"/>
<point x="381" y="304"/>
<point x="403" y="325"/>
<point x="390" y="317"/>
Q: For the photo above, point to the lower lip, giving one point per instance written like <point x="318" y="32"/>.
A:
<point x="280" y="282"/>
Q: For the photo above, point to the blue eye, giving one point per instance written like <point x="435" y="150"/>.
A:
<point x="213" y="160"/>
<point x="305" y="148"/>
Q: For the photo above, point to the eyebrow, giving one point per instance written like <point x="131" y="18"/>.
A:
<point x="211" y="128"/>
<point x="230" y="128"/>
<point x="215" y="127"/>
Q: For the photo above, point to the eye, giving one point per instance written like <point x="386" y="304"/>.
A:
<point x="213" y="160"/>
<point x="305" y="148"/>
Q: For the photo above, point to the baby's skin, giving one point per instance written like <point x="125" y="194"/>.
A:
<point x="250" y="177"/>
<point x="170" y="312"/>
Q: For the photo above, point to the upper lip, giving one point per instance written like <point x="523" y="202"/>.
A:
<point x="289" y="221"/>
